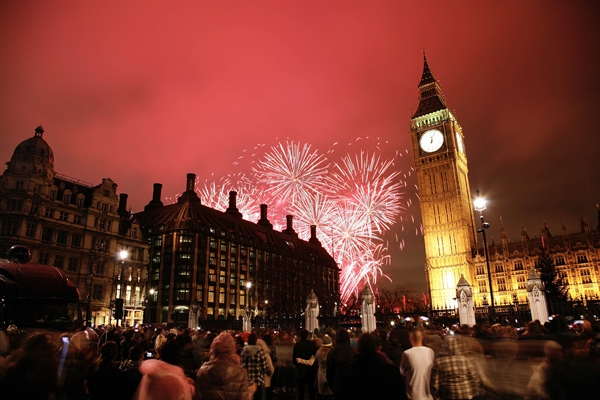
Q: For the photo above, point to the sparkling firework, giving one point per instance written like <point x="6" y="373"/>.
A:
<point x="292" y="172"/>
<point x="352" y="202"/>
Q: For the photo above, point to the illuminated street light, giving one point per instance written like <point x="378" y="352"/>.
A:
<point x="119" y="313"/>
<point x="479" y="204"/>
<point x="248" y="286"/>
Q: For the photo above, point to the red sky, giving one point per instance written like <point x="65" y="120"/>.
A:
<point x="145" y="92"/>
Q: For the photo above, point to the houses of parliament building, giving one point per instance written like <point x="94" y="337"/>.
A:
<point x="451" y="234"/>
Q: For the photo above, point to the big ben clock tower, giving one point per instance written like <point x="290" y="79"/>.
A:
<point x="441" y="166"/>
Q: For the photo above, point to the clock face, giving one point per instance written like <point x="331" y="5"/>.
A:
<point x="459" y="143"/>
<point x="431" y="140"/>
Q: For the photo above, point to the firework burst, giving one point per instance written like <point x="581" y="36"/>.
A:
<point x="353" y="203"/>
<point x="292" y="172"/>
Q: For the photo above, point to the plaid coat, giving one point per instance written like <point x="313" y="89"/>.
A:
<point x="254" y="360"/>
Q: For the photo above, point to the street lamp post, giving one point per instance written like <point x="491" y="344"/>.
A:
<point x="479" y="204"/>
<point x="123" y="254"/>
<point x="149" y="300"/>
<point x="248" y="286"/>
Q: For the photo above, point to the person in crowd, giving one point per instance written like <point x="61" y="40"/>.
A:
<point x="454" y="375"/>
<point x="341" y="355"/>
<point x="416" y="366"/>
<point x="159" y="340"/>
<point x="305" y="349"/>
<point x="127" y="343"/>
<point x="222" y="377"/>
<point x="34" y="374"/>
<point x="255" y="361"/>
<point x="75" y="357"/>
<point x="130" y="369"/>
<point x="367" y="376"/>
<point x="548" y="379"/>
<point x="268" y="391"/>
<point x="164" y="378"/>
<point x="323" y="388"/>
<point x="394" y="351"/>
<point x="104" y="379"/>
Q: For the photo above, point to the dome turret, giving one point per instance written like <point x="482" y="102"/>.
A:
<point x="33" y="155"/>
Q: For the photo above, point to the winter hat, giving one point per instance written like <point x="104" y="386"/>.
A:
<point x="326" y="341"/>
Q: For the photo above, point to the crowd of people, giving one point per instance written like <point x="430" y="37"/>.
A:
<point x="412" y="361"/>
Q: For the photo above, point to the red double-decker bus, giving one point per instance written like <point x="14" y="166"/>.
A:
<point x="35" y="296"/>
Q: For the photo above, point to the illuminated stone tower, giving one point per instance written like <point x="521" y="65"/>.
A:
<point x="446" y="207"/>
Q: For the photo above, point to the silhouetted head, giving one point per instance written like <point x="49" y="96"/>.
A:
<point x="367" y="344"/>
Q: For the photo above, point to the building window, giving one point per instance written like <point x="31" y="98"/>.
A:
<point x="53" y="194"/>
<point x="49" y="213"/>
<point x="61" y="237"/>
<point x="19" y="185"/>
<point x="73" y="263"/>
<point x="211" y="294"/>
<point x="9" y="228"/>
<point x="585" y="276"/>
<point x="482" y="286"/>
<point x="79" y="201"/>
<point x="134" y="232"/>
<point x="37" y="188"/>
<point x="581" y="258"/>
<point x="182" y="291"/>
<point x="99" y="267"/>
<point x="222" y="277"/>
<point x="559" y="261"/>
<point x="67" y="198"/>
<point x="518" y="266"/>
<point x="77" y="219"/>
<point x="15" y="204"/>
<point x="221" y="295"/>
<point x="44" y="258"/>
<point x="102" y="224"/>
<point x="501" y="285"/>
<point x="59" y="261"/>
<point x="106" y="193"/>
<point x="104" y="207"/>
<point x="480" y="270"/>
<point x="499" y="268"/>
<point x="34" y="208"/>
<point x="76" y="240"/>
<point x="98" y="292"/>
<point x="30" y="231"/>
<point x="47" y="234"/>
<point x="521" y="282"/>
<point x="63" y="216"/>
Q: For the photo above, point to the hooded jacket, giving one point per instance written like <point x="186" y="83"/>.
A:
<point x="222" y="380"/>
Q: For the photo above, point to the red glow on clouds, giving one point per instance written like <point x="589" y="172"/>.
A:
<point x="146" y="92"/>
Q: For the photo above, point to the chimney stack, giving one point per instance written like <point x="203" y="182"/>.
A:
<point x="232" y="209"/>
<point x="264" y="221"/>
<point x="155" y="202"/>
<point x="122" y="210"/>
<point x="313" y="235"/>
<point x="290" y="226"/>
<point x="190" y="193"/>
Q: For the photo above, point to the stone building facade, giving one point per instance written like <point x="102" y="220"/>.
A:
<point x="576" y="257"/>
<point x="76" y="226"/>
